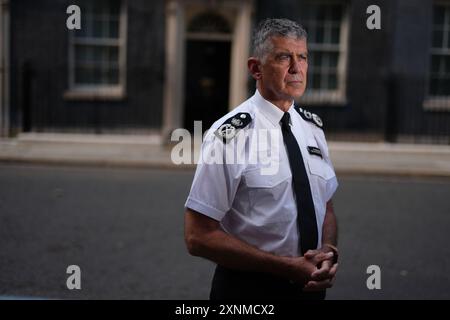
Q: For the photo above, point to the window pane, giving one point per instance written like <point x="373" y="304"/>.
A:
<point x="438" y="15"/>
<point x="335" y="34"/>
<point x="446" y="65"/>
<point x="113" y="76"/>
<point x="100" y="19"/>
<point x="333" y="59"/>
<point x="438" y="36"/>
<point x="98" y="54"/>
<point x="319" y="34"/>
<point x="114" y="28"/>
<point x="113" y="55"/>
<point x="448" y="40"/>
<point x="332" y="81"/>
<point x="435" y="63"/>
<point x="82" y="53"/>
<point x="82" y="75"/>
<point x="98" y="28"/>
<point x="97" y="75"/>
<point x="87" y="75"/>
<point x="445" y="87"/>
<point x="316" y="59"/>
<point x="316" y="81"/>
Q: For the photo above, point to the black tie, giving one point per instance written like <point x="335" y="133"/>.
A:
<point x="306" y="216"/>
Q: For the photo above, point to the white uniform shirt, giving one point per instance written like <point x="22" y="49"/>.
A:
<point x="257" y="208"/>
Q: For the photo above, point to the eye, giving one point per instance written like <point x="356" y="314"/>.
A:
<point x="283" y="57"/>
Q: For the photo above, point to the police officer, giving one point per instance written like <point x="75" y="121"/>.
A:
<point x="272" y="234"/>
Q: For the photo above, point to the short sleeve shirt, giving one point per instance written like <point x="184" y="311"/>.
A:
<point x="246" y="183"/>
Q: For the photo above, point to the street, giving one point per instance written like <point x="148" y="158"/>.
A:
<point x="124" y="229"/>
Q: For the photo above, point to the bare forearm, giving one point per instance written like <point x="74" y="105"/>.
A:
<point x="229" y="251"/>
<point x="329" y="229"/>
<point x="205" y="238"/>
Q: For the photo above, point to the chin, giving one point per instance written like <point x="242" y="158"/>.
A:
<point x="296" y="93"/>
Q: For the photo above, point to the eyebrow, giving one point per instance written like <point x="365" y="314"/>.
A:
<point x="283" y="52"/>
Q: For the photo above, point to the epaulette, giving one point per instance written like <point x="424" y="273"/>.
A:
<point x="231" y="126"/>
<point x="309" y="116"/>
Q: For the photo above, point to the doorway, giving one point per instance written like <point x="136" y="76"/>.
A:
<point x="206" y="74"/>
<point x="206" y="82"/>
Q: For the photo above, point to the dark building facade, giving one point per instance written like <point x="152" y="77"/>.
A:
<point x="152" y="66"/>
<point x="41" y="95"/>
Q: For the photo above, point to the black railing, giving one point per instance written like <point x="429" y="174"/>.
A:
<point x="397" y="116"/>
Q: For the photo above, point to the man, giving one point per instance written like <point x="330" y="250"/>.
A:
<point x="272" y="235"/>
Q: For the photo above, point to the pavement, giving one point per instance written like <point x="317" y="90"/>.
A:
<point x="148" y="152"/>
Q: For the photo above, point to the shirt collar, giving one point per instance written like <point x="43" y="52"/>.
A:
<point x="271" y="111"/>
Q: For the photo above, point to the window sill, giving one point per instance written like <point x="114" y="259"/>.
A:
<point x="94" y="94"/>
<point x="324" y="98"/>
<point x="438" y="103"/>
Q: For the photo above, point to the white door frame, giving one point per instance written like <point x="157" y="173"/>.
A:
<point x="176" y="12"/>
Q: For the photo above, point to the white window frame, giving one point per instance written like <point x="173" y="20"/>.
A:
<point x="99" y="91"/>
<point x="438" y="102"/>
<point x="335" y="97"/>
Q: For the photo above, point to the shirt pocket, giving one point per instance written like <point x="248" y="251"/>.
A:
<point x="319" y="167"/>
<point x="267" y="197"/>
<point x="255" y="179"/>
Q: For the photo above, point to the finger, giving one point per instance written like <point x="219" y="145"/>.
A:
<point x="323" y="272"/>
<point x="332" y="280"/>
<point x="322" y="257"/>
<point x="333" y="269"/>
<point x="311" y="253"/>
<point x="317" y="285"/>
<point x="310" y="286"/>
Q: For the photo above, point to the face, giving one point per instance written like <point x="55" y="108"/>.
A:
<point x="282" y="75"/>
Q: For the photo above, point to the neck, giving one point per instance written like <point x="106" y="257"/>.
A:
<point x="282" y="103"/>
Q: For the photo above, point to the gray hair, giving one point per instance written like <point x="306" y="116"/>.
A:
<point x="274" y="27"/>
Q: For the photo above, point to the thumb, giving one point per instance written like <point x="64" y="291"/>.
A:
<point x="318" y="258"/>
<point x="311" y="253"/>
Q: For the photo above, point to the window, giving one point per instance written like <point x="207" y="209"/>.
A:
<point x="326" y="24"/>
<point x="97" y="51"/>
<point x="439" y="73"/>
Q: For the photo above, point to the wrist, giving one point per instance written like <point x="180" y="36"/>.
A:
<point x="292" y="268"/>
<point x="327" y="247"/>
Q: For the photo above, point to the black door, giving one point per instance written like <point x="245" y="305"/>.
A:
<point x="206" y="82"/>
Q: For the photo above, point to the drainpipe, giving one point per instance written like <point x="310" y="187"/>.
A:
<point x="4" y="68"/>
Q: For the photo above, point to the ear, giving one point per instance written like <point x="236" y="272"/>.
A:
<point x="254" y="66"/>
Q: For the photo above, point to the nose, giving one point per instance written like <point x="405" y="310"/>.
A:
<point x="295" y="66"/>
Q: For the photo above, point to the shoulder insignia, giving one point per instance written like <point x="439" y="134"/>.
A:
<point x="309" y="116"/>
<point x="231" y="126"/>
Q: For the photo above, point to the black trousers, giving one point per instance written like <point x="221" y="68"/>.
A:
<point x="231" y="284"/>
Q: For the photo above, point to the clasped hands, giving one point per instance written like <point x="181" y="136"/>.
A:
<point x="324" y="262"/>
